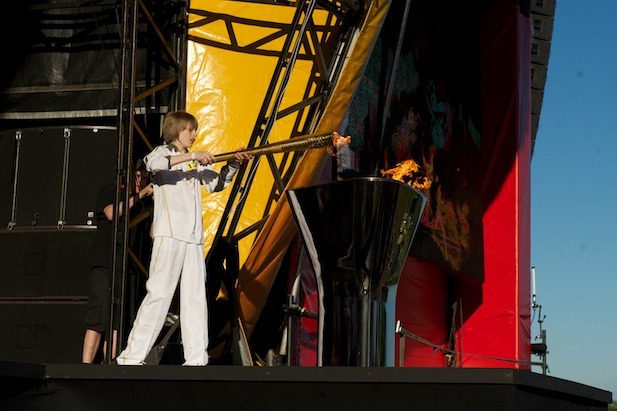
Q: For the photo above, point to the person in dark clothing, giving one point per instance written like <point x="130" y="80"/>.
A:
<point x="99" y="298"/>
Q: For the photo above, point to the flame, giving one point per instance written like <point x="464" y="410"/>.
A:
<point x="338" y="141"/>
<point x="408" y="172"/>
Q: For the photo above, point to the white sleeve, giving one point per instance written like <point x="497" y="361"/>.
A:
<point x="158" y="159"/>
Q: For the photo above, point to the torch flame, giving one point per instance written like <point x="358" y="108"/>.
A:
<point x="337" y="141"/>
<point x="408" y="172"/>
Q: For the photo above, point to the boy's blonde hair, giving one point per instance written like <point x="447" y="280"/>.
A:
<point x="175" y="122"/>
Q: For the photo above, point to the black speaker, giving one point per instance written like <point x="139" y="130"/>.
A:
<point x="92" y="163"/>
<point x="45" y="264"/>
<point x="49" y="181"/>
<point x="39" y="167"/>
<point x="42" y="331"/>
<point x="51" y="175"/>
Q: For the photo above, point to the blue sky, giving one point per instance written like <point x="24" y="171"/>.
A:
<point x="574" y="196"/>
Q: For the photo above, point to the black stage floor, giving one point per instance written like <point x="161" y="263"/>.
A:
<point x="64" y="387"/>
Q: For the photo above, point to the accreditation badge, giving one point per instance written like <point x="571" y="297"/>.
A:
<point x="191" y="165"/>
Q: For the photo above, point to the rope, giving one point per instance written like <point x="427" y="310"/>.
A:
<point x="448" y="352"/>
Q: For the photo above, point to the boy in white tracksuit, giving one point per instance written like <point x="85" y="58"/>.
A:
<point x="177" y="249"/>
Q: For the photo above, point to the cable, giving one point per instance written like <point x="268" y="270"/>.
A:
<point x="401" y="331"/>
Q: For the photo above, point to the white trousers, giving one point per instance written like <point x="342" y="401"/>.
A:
<point x="172" y="259"/>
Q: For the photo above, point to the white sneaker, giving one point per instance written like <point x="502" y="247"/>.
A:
<point x="124" y="361"/>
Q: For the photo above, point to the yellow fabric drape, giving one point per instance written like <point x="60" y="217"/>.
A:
<point x="227" y="79"/>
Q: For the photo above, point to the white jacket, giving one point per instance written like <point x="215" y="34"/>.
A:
<point x="177" y="193"/>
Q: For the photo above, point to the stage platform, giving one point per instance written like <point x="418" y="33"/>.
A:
<point x="61" y="387"/>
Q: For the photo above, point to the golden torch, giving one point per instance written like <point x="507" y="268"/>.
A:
<point x="304" y="142"/>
